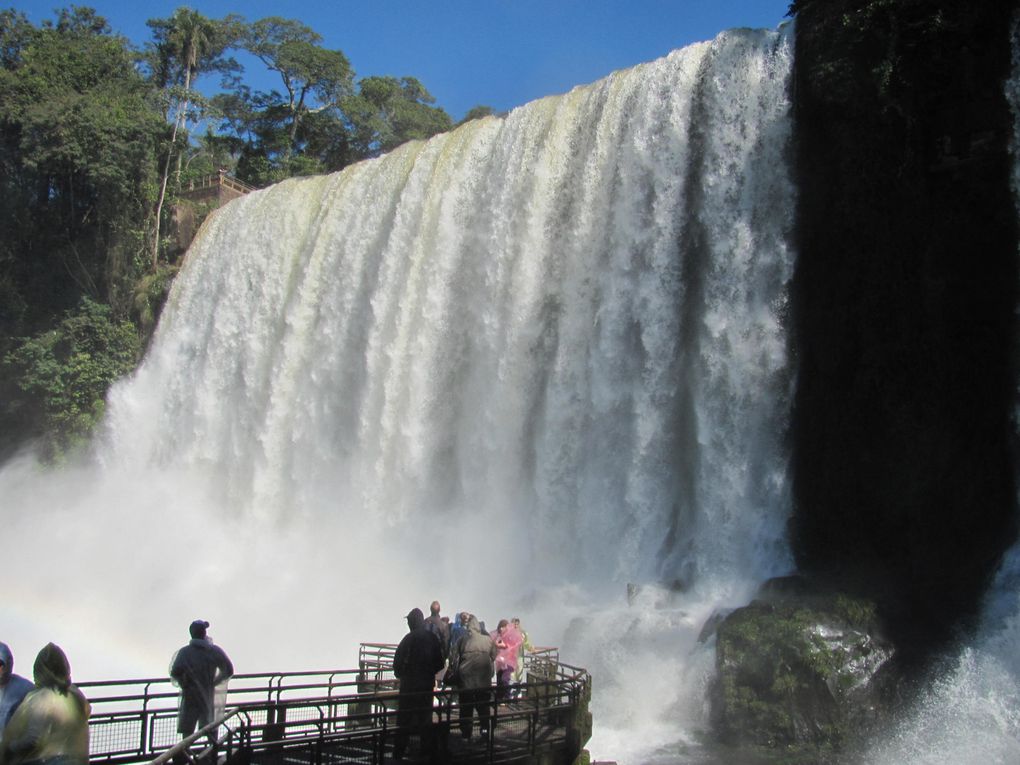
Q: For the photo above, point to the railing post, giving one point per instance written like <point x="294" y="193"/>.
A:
<point x="145" y="739"/>
<point x="276" y="722"/>
<point x="579" y="719"/>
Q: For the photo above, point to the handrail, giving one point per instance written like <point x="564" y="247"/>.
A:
<point x="220" y="179"/>
<point x="186" y="743"/>
<point x="135" y="717"/>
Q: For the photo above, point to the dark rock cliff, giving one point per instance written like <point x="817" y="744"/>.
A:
<point x="905" y="299"/>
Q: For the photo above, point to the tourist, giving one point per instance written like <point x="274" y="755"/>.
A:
<point x="525" y="647"/>
<point x="201" y="670"/>
<point x="51" y="725"/>
<point x="471" y="666"/>
<point x="508" y="640"/>
<point x="458" y="629"/>
<point x="12" y="687"/>
<point x="441" y="629"/>
<point x="415" y="663"/>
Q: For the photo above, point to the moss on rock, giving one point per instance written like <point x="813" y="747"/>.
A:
<point x="797" y="671"/>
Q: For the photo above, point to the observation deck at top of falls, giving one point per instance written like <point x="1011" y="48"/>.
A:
<point x="199" y="197"/>
<point x="221" y="186"/>
<point x="340" y="716"/>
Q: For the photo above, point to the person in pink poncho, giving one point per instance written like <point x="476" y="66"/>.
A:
<point x="508" y="640"/>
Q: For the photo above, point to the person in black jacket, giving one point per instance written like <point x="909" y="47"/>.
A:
<point x="198" y="668"/>
<point x="416" y="661"/>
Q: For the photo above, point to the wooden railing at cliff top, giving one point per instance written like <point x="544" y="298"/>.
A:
<point x="222" y="180"/>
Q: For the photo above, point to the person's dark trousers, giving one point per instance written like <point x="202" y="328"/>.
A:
<point x="414" y="716"/>
<point x="503" y="678"/>
<point x="474" y="700"/>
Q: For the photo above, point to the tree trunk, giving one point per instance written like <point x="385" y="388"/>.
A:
<point x="181" y="115"/>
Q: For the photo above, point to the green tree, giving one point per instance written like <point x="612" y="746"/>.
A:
<point x="185" y="45"/>
<point x="61" y="375"/>
<point x="77" y="138"/>
<point x="315" y="79"/>
<point x="253" y="128"/>
<point x="387" y="112"/>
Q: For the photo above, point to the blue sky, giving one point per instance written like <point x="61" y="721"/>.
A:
<point x="501" y="53"/>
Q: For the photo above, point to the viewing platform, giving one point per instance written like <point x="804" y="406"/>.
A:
<point x="220" y="186"/>
<point x="199" y="197"/>
<point x="340" y="716"/>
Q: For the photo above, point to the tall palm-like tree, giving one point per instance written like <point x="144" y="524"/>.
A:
<point x="187" y="44"/>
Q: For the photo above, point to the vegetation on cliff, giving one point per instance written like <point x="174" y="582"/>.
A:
<point x="98" y="139"/>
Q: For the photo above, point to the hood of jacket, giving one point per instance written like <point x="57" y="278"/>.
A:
<point x="415" y="620"/>
<point x="473" y="625"/>
<point x="51" y="669"/>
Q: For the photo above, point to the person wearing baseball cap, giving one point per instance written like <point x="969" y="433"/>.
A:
<point x="198" y="668"/>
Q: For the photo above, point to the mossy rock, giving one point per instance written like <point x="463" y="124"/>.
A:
<point x="798" y="670"/>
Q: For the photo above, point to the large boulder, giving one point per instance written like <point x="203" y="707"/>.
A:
<point x="798" y="670"/>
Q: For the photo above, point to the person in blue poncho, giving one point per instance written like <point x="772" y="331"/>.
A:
<point x="13" y="688"/>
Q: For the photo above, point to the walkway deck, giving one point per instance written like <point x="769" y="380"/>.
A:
<point x="340" y="716"/>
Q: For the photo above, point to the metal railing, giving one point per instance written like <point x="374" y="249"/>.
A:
<point x="219" y="180"/>
<point x="134" y="720"/>
<point x="339" y="715"/>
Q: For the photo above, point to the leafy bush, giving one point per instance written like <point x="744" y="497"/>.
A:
<point x="63" y="374"/>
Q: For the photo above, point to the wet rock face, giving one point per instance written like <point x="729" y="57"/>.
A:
<point x="805" y="673"/>
<point x="904" y="306"/>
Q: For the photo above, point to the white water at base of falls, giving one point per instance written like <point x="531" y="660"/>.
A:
<point x="514" y="368"/>
<point x="969" y="710"/>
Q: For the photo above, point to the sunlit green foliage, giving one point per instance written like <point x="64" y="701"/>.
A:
<point x="184" y="46"/>
<point x="387" y="112"/>
<point x="314" y="79"/>
<point x="62" y="374"/>
<point x="98" y="142"/>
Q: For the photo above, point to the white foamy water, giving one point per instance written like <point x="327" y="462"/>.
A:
<point x="515" y="368"/>
<point x="969" y="714"/>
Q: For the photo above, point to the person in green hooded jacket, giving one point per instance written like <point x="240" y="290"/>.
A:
<point x="472" y="663"/>
<point x="51" y="725"/>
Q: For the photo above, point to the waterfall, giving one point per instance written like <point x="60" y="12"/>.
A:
<point x="515" y="367"/>
<point x="570" y="318"/>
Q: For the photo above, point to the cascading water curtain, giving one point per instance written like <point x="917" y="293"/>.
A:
<point x="567" y="322"/>
<point x="515" y="368"/>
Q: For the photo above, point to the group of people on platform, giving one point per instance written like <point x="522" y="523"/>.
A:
<point x="46" y="722"/>
<point x="460" y="654"/>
